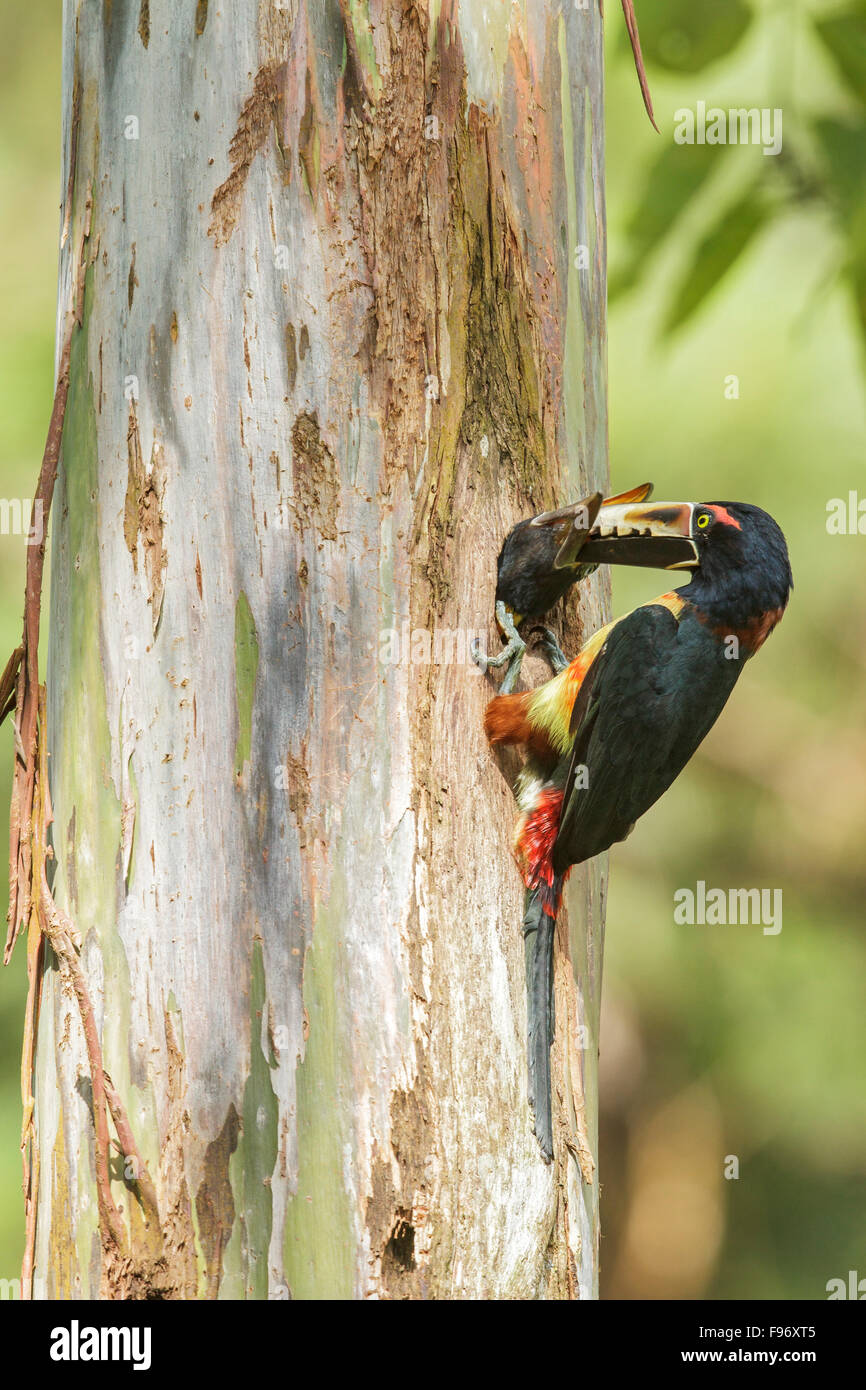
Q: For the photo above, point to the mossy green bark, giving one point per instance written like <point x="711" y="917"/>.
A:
<point x="257" y="1150"/>
<point x="319" y="1250"/>
<point x="246" y="667"/>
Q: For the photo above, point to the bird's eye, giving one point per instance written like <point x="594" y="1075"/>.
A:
<point x="704" y="520"/>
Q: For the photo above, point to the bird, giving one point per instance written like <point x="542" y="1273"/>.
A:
<point x="607" y="736"/>
<point x="539" y="561"/>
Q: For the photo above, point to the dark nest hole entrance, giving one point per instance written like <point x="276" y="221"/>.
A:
<point x="399" y="1254"/>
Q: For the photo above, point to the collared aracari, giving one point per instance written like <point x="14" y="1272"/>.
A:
<point x="610" y="733"/>
<point x="540" y="560"/>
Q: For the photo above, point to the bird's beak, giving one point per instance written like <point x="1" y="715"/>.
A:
<point x="657" y="535"/>
<point x="572" y="525"/>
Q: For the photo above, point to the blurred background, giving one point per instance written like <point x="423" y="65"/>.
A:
<point x="718" y="1043"/>
<point x="719" y="1040"/>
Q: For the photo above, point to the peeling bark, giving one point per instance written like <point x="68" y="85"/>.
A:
<point x="337" y="338"/>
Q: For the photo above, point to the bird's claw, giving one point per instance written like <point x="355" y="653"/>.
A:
<point x="479" y="656"/>
<point x="551" y="648"/>
<point x="512" y="653"/>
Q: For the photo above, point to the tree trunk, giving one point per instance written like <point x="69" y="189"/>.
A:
<point x="344" y="323"/>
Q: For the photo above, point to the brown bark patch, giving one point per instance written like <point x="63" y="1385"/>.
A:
<point x="160" y="1262"/>
<point x="392" y="161"/>
<point x="308" y="140"/>
<point x="144" y="22"/>
<point x="214" y="1202"/>
<point x="502" y="384"/>
<point x="142" y="513"/>
<point x="397" y="1216"/>
<point x="200" y="17"/>
<point x="179" y="1261"/>
<point x="291" y="357"/>
<point x="132" y="279"/>
<point x="316" y="478"/>
<point x="298" y="786"/>
<point x="260" y="110"/>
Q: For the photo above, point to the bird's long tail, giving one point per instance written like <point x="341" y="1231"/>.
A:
<point x="539" y="929"/>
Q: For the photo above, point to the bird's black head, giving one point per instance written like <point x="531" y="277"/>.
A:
<point x="743" y="572"/>
<point x="735" y="551"/>
<point x="541" y="558"/>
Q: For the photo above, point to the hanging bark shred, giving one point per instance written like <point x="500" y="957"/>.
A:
<point x="634" y="36"/>
<point x="31" y="902"/>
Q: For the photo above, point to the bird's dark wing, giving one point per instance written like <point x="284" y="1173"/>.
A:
<point x="654" y="690"/>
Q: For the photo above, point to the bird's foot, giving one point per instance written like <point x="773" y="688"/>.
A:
<point x="512" y="653"/>
<point x="551" y="648"/>
<point x="514" y="665"/>
<point x="479" y="656"/>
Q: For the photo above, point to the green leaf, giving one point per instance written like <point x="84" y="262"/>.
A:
<point x="718" y="251"/>
<point x="843" y="151"/>
<point x="685" y="35"/>
<point x="674" y="179"/>
<point x="845" y="37"/>
<point x="856" y="275"/>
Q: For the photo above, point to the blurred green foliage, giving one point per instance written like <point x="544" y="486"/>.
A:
<point x="684" y="37"/>
<point x="715" y="1041"/>
<point x="719" y="1040"/>
<point x="824" y="151"/>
